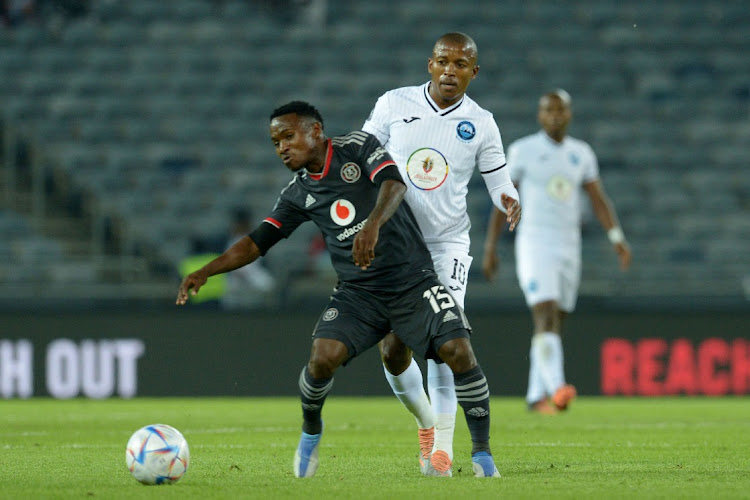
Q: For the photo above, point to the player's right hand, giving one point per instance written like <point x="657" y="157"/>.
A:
<point x="192" y="282"/>
<point x="363" y="246"/>
<point x="623" y="254"/>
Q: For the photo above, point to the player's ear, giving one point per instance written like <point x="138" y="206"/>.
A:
<point x="317" y="129"/>
<point x="474" y="73"/>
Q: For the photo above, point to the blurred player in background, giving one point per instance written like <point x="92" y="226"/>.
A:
<point x="351" y="189"/>
<point x="438" y="136"/>
<point x="550" y="169"/>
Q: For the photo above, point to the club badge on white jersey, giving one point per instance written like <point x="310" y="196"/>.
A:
<point x="560" y="188"/>
<point x="466" y="131"/>
<point x="427" y="169"/>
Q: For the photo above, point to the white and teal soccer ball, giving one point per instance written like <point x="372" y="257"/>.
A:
<point x="157" y="454"/>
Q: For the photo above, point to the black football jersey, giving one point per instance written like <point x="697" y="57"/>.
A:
<point x="338" y="200"/>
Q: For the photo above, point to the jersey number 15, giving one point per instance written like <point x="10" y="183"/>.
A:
<point x="439" y="298"/>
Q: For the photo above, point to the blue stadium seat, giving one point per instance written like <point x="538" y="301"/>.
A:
<point x="140" y="81"/>
<point x="13" y="225"/>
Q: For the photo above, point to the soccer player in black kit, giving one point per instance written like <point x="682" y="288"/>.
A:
<point x="352" y="190"/>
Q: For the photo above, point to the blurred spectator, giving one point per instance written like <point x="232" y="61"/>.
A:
<point x="57" y="13"/>
<point x="16" y="12"/>
<point x="69" y="8"/>
<point x="250" y="286"/>
<point x="313" y="13"/>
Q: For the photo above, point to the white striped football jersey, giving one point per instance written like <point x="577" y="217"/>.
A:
<point x="436" y="151"/>
<point x="550" y="177"/>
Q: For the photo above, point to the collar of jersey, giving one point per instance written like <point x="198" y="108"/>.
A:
<point x="433" y="104"/>
<point x="549" y="140"/>
<point x="329" y="156"/>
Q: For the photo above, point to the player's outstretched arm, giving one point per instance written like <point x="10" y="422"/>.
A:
<point x="490" y="261"/>
<point x="605" y="213"/>
<point x="240" y="254"/>
<point x="390" y="195"/>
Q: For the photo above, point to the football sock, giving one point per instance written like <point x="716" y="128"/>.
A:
<point x="409" y="389"/>
<point x="535" y="391"/>
<point x="445" y="425"/>
<point x="473" y="395"/>
<point x="443" y="398"/>
<point x="550" y="355"/>
<point x="313" y="392"/>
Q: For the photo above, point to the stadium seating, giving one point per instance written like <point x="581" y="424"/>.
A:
<point x="156" y="113"/>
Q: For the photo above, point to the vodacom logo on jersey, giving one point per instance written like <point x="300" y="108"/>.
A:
<point x="342" y="212"/>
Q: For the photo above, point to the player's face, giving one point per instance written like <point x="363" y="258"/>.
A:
<point x="554" y="115"/>
<point x="295" y="139"/>
<point x="452" y="67"/>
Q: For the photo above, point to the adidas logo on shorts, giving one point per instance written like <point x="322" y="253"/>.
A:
<point x="449" y="316"/>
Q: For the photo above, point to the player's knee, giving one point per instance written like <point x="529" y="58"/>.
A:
<point x="547" y="324"/>
<point x="458" y="354"/>
<point x="546" y="317"/>
<point x="322" y="367"/>
<point x="395" y="354"/>
<point x="326" y="357"/>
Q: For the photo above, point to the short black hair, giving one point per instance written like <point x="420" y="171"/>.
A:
<point x="300" y="108"/>
<point x="458" y="38"/>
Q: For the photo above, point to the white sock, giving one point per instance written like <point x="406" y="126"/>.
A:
<point x="409" y="389"/>
<point x="443" y="397"/>
<point x="549" y="351"/>
<point x="535" y="391"/>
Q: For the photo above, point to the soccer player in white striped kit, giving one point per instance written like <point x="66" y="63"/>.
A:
<point x="438" y="136"/>
<point x="552" y="170"/>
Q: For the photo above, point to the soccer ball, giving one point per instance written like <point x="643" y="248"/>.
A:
<point x="157" y="454"/>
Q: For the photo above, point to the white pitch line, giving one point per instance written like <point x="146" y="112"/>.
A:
<point x="24" y="434"/>
<point x="235" y="430"/>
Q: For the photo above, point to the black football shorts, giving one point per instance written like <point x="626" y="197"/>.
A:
<point x="423" y="315"/>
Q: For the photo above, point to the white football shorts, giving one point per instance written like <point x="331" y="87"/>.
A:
<point x="548" y="272"/>
<point x="452" y="267"/>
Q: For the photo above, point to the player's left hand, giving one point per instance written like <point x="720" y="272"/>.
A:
<point x="512" y="210"/>
<point x="363" y="247"/>
<point x="623" y="254"/>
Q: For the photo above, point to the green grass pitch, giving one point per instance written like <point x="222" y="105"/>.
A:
<point x="243" y="448"/>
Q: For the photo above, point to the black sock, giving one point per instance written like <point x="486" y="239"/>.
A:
<point x="474" y="397"/>
<point x="313" y="392"/>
